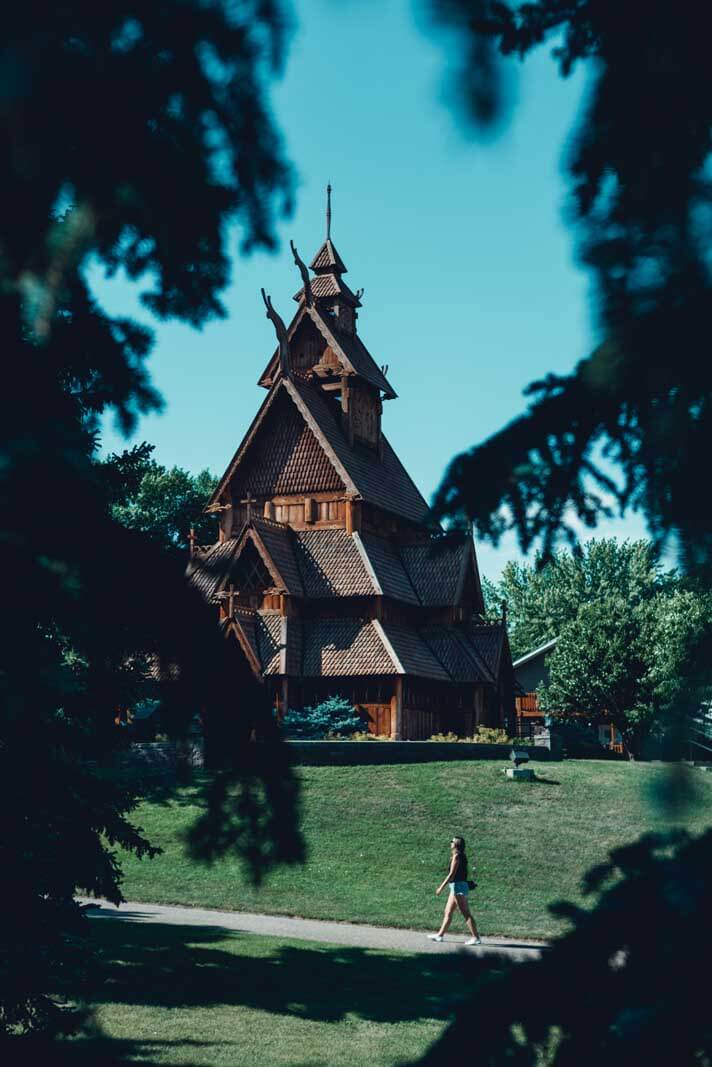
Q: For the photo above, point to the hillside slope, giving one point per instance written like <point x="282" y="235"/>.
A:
<point x="378" y="842"/>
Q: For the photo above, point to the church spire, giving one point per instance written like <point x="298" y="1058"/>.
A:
<point x="328" y="291"/>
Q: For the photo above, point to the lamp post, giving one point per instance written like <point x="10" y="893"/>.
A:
<point x="518" y="772"/>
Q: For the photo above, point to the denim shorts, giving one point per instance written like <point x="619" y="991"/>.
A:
<point x="461" y="889"/>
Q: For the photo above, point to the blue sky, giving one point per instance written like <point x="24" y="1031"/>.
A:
<point x="471" y="288"/>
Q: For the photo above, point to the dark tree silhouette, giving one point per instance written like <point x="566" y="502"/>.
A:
<point x="136" y="134"/>
<point x="631" y="425"/>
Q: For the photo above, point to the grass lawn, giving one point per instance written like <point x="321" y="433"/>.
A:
<point x="378" y="836"/>
<point x="192" y="996"/>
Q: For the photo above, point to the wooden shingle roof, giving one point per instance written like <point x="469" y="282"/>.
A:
<point x="414" y="655"/>
<point x="436" y="569"/>
<point x="276" y="539"/>
<point x="268" y="627"/>
<point x="326" y="563"/>
<point x="353" y="647"/>
<point x="351" y="351"/>
<point x="349" y="348"/>
<point x="488" y="639"/>
<point x="387" y="565"/>
<point x="345" y="647"/>
<point x="457" y="654"/>
<point x="208" y="569"/>
<point x="327" y="258"/>
<point x="383" y="482"/>
<point x="331" y="565"/>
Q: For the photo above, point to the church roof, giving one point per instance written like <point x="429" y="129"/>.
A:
<point x="489" y="639"/>
<point x="352" y="352"/>
<point x="329" y="285"/>
<point x="209" y="568"/>
<point x="349" y="348"/>
<point x="382" y="482"/>
<point x="413" y="654"/>
<point x="458" y="653"/>
<point x="351" y="647"/>
<point x="436" y="569"/>
<point x="324" y="564"/>
<point x="334" y="647"/>
<point x="331" y="564"/>
<point x="327" y="258"/>
<point x="278" y="544"/>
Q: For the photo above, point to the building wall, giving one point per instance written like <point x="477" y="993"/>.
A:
<point x="533" y="674"/>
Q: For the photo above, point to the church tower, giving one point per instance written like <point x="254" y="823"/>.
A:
<point x="329" y="570"/>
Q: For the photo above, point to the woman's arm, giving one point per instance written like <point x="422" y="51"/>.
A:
<point x="448" y="876"/>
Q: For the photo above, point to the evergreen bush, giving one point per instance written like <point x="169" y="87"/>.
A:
<point x="334" y="717"/>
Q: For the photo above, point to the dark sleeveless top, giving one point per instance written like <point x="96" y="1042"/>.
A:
<point x="460" y="874"/>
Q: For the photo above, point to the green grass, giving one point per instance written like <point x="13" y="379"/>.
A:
<point x="196" y="995"/>
<point x="378" y="836"/>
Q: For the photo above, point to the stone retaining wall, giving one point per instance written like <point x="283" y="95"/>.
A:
<point x="164" y="758"/>
<point x="349" y="753"/>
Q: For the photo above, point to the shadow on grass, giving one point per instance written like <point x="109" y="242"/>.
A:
<point x="189" y="967"/>
<point x="545" y="781"/>
<point x="154" y="965"/>
<point x="164" y="788"/>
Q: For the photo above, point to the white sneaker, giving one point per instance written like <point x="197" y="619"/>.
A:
<point x="474" y="941"/>
<point x="435" y="937"/>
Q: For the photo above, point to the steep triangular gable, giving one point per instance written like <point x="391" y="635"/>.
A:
<point x="352" y="354"/>
<point x="283" y="452"/>
<point x="277" y="557"/>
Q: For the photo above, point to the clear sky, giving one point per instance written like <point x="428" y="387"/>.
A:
<point x="471" y="288"/>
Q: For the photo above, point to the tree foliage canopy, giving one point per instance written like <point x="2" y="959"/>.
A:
<point x="627" y="428"/>
<point x="629" y="633"/>
<point x="544" y="597"/>
<point x="137" y="134"/>
<point x="164" y="504"/>
<point x="629" y="425"/>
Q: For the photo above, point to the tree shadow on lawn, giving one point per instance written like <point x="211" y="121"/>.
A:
<point x="155" y="965"/>
<point x="96" y="1048"/>
<point x="181" y="967"/>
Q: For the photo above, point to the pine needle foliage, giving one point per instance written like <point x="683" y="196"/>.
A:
<point x="138" y="135"/>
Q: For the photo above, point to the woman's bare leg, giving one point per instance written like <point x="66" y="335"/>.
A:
<point x="447" y="917"/>
<point x="467" y="914"/>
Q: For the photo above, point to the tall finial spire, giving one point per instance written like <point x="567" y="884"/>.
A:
<point x="328" y="212"/>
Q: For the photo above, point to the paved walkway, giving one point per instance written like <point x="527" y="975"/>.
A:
<point x="334" y="933"/>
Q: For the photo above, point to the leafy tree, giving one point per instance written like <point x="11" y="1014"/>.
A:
<point x="165" y="504"/>
<point x="628" y="633"/>
<point x="333" y="716"/>
<point x="543" y="598"/>
<point x="140" y="136"/>
<point x="613" y="661"/>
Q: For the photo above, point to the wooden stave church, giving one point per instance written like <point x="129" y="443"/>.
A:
<point x="330" y="573"/>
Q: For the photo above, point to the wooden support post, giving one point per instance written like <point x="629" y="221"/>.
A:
<point x="268" y="509"/>
<point x="352" y="515"/>
<point x="397" y="711"/>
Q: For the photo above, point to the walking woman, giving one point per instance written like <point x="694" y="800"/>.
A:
<point x="456" y="880"/>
